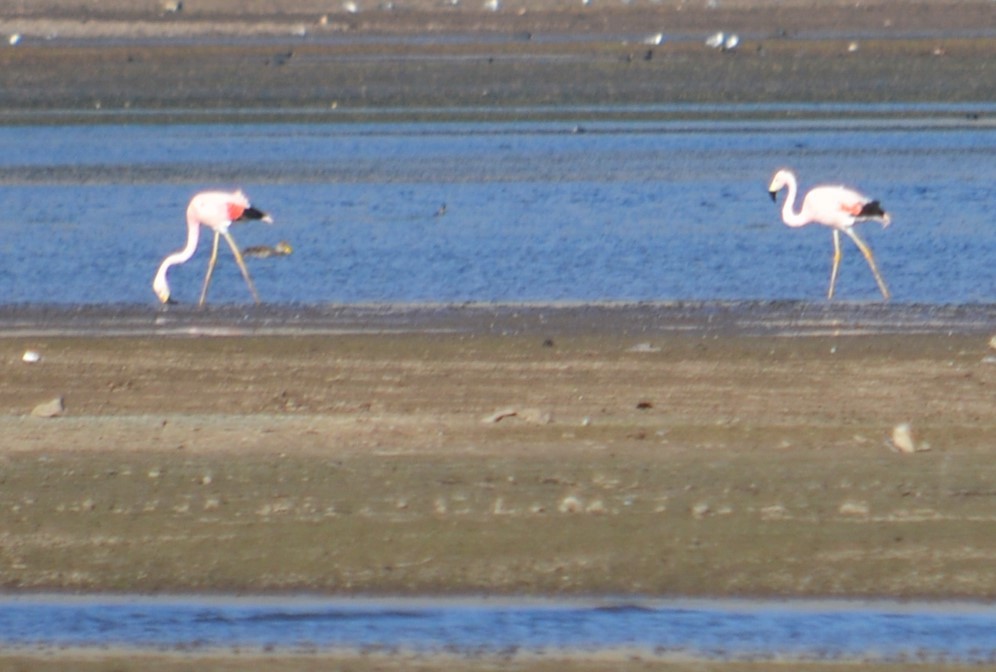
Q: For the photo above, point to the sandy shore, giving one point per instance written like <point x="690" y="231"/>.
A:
<point x="565" y="451"/>
<point x="632" y="450"/>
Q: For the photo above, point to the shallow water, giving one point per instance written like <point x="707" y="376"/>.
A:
<point x="535" y="211"/>
<point x="828" y="630"/>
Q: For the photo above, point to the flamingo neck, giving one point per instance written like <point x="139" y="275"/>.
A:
<point x="789" y="215"/>
<point x="180" y="256"/>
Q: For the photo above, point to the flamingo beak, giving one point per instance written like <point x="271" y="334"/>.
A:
<point x="774" y="196"/>
<point x="254" y="213"/>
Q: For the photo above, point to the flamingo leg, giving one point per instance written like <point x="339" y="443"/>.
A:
<point x="865" y="250"/>
<point x="242" y="264"/>
<point x="836" y="262"/>
<point x="207" y="276"/>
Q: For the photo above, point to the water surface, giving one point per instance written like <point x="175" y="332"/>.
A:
<point x="534" y="211"/>
<point x="732" y="630"/>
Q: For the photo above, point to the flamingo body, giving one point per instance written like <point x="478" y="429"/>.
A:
<point x="216" y="210"/>
<point x="838" y="207"/>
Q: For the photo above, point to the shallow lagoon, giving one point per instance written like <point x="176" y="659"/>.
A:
<point x="730" y="630"/>
<point x="535" y="211"/>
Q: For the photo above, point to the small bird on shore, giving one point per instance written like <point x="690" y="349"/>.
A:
<point x="281" y="249"/>
<point x="839" y="208"/>
<point x="216" y="210"/>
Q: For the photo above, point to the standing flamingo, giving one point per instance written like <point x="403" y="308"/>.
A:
<point x="839" y="208"/>
<point x="216" y="210"/>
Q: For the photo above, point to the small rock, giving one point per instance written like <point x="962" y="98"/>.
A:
<point x="31" y="356"/>
<point x="853" y="508"/>
<point x="597" y="508"/>
<point x="644" y="347"/>
<point x="701" y="510"/>
<point x="902" y="439"/>
<point x="50" y="409"/>
<point x="570" y="504"/>
<point x="992" y="343"/>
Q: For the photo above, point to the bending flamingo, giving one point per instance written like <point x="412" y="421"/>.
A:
<point x="839" y="208"/>
<point x="216" y="210"/>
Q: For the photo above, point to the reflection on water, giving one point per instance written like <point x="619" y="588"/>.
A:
<point x="538" y="211"/>
<point x="831" y="630"/>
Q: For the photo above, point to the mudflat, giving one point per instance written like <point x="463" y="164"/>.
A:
<point x="549" y="451"/>
<point x="578" y="451"/>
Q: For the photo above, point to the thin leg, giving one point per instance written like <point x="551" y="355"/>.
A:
<point x="836" y="262"/>
<point x="865" y="250"/>
<point x="242" y="265"/>
<point x="207" y="276"/>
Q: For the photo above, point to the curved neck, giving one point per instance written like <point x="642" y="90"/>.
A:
<point x="193" y="235"/>
<point x="789" y="215"/>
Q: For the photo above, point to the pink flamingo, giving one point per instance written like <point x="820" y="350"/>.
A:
<point x="216" y="210"/>
<point x="839" y="208"/>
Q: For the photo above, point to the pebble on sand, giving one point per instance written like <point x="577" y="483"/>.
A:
<point x="903" y="442"/>
<point x="49" y="409"/>
<point x="31" y="356"/>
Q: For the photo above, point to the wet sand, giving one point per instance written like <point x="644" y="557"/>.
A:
<point x="624" y="662"/>
<point x="544" y="451"/>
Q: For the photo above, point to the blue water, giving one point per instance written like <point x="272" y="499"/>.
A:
<point x="723" y="629"/>
<point x="535" y="211"/>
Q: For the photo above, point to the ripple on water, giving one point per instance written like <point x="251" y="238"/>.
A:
<point x="727" y="629"/>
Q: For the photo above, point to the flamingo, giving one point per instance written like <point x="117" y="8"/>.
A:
<point x="216" y="210"/>
<point x="839" y="208"/>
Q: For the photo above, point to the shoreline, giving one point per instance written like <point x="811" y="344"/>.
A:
<point x="279" y="56"/>
<point x="778" y="318"/>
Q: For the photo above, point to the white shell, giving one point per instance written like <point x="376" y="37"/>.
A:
<point x="902" y="438"/>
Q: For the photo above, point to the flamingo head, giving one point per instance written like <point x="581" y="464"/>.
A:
<point x="780" y="180"/>
<point x="161" y="288"/>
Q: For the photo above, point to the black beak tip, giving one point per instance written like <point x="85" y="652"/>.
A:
<point x="774" y="196"/>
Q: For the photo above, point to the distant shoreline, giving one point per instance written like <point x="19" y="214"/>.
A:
<point x="286" y="57"/>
